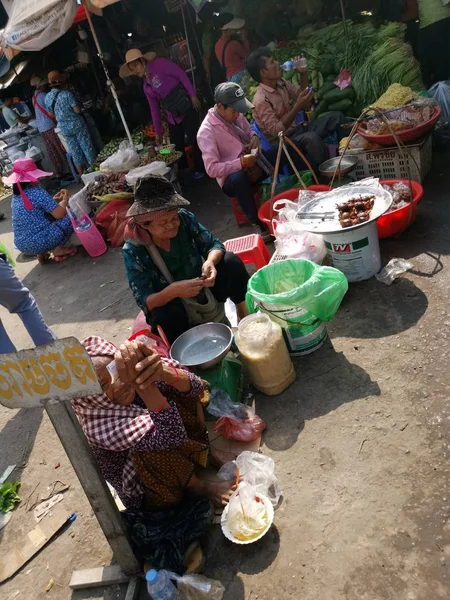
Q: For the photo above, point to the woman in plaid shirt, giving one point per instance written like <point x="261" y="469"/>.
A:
<point x="148" y="436"/>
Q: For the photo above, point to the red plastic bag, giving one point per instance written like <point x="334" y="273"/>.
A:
<point x="241" y="431"/>
<point x="112" y="220"/>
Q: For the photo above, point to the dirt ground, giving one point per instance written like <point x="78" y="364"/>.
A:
<point x="360" y="440"/>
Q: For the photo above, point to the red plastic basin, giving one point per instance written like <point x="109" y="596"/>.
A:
<point x="396" y="222"/>
<point x="264" y="209"/>
<point x="407" y="135"/>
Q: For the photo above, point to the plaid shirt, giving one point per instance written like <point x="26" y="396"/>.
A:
<point x="118" y="429"/>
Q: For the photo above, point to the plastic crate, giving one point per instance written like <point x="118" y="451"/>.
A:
<point x="391" y="163"/>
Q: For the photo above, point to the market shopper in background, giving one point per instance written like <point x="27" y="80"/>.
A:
<point x="227" y="141"/>
<point x="434" y="39"/>
<point x="232" y="49"/>
<point x="46" y="127"/>
<point x="17" y="299"/>
<point x="180" y="275"/>
<point x="61" y="104"/>
<point x="167" y="86"/>
<point x="277" y="103"/>
<point x="11" y="115"/>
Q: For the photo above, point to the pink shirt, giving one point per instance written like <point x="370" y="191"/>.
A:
<point x="221" y="150"/>
<point x="236" y="53"/>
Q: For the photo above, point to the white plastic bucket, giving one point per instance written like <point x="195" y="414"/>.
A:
<point x="302" y="331"/>
<point x="355" y="252"/>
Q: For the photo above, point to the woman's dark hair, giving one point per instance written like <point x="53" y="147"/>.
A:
<point x="16" y="190"/>
<point x="257" y="61"/>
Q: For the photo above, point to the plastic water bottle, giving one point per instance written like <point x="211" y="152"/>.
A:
<point x="303" y="64"/>
<point x="287" y="66"/>
<point x="83" y="224"/>
<point x="160" y="587"/>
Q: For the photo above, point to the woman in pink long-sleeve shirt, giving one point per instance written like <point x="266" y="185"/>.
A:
<point x="167" y="86"/>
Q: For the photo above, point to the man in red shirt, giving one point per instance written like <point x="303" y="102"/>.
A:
<point x="232" y="49"/>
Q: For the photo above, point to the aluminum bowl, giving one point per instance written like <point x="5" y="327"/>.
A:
<point x="329" y="167"/>
<point x="203" y="346"/>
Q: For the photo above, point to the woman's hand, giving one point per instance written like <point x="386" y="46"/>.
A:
<point x="62" y="195"/>
<point x="254" y="144"/>
<point x="209" y="273"/>
<point x="150" y="368"/>
<point x="127" y="357"/>
<point x="196" y="103"/>
<point x="189" y="288"/>
<point x="248" y="161"/>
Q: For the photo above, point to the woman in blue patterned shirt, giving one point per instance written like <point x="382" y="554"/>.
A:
<point x="180" y="275"/>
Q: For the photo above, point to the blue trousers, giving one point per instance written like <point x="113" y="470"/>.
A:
<point x="15" y="297"/>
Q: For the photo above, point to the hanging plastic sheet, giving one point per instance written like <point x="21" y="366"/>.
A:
<point x="34" y="24"/>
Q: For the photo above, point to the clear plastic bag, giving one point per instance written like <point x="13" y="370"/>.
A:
<point x="394" y="268"/>
<point x="259" y="471"/>
<point x="441" y="93"/>
<point x="123" y="160"/>
<point x="221" y="405"/>
<point x="245" y="430"/>
<point x="157" y="167"/>
<point x="197" y="587"/>
<point x="247" y="516"/>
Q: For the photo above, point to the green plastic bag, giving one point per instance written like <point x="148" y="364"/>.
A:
<point x="300" y="296"/>
<point x="286" y="183"/>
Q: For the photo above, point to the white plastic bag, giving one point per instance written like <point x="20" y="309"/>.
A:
<point x="441" y="93"/>
<point x="197" y="587"/>
<point x="157" y="167"/>
<point x="255" y="469"/>
<point x="247" y="516"/>
<point x="123" y="160"/>
<point x="35" y="24"/>
<point x="78" y="203"/>
<point x="292" y="241"/>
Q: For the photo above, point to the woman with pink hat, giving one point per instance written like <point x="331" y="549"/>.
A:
<point x="41" y="224"/>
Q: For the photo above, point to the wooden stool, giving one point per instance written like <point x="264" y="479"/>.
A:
<point x="251" y="250"/>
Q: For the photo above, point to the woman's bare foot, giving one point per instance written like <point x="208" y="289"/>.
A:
<point x="220" y="491"/>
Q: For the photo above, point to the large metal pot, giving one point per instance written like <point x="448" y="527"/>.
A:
<point x="203" y="346"/>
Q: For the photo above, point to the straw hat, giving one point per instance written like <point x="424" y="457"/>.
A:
<point x="55" y="78"/>
<point x="235" y="24"/>
<point x="154" y="194"/>
<point x="131" y="56"/>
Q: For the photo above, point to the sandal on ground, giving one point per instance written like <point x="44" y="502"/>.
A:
<point x="43" y="258"/>
<point x="63" y="257"/>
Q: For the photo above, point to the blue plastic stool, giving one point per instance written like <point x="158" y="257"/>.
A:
<point x="265" y="144"/>
<point x="71" y="164"/>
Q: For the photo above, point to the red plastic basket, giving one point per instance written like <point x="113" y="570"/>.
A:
<point x="407" y="135"/>
<point x="396" y="222"/>
<point x="264" y="210"/>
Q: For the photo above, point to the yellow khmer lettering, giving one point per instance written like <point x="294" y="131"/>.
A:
<point x="35" y="376"/>
<point x="55" y="369"/>
<point x="79" y="364"/>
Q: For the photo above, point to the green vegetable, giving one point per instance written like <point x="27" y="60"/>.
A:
<point x="330" y="77"/>
<point x="338" y="94"/>
<point x="289" y="74"/>
<point x="342" y="105"/>
<point x="327" y="67"/>
<point x="8" y="496"/>
<point x="320" y="108"/>
<point x="327" y="87"/>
